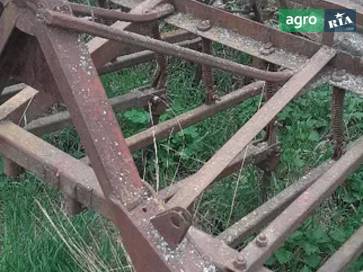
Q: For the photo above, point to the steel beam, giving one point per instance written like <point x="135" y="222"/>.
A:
<point x="164" y="129"/>
<point x="287" y="50"/>
<point x="138" y="98"/>
<point x="275" y="234"/>
<point x="345" y="255"/>
<point x="265" y="213"/>
<point x="254" y="155"/>
<point x="215" y="166"/>
<point x="71" y="23"/>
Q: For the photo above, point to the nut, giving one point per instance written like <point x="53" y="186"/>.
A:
<point x="204" y="25"/>
<point x="267" y="49"/>
<point x="261" y="240"/>
<point x="240" y="263"/>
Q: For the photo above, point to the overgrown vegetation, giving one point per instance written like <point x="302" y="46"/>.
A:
<point x="36" y="236"/>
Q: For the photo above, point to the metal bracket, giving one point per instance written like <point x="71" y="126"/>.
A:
<point x="173" y="225"/>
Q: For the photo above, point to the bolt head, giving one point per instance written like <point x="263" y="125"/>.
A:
<point x="267" y="49"/>
<point x="204" y="25"/>
<point x="339" y="76"/>
<point x="261" y="240"/>
<point x="268" y="45"/>
<point x="240" y="263"/>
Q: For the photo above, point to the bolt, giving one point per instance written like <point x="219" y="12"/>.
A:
<point x="207" y="259"/>
<point x="339" y="75"/>
<point x="267" y="49"/>
<point x="240" y="263"/>
<point x="204" y="25"/>
<point x="262" y="240"/>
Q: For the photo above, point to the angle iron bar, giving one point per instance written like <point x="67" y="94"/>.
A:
<point x="10" y="91"/>
<point x="346" y="254"/>
<point x="7" y="24"/>
<point x="64" y="21"/>
<point x="15" y="102"/>
<point x="92" y="114"/>
<point x="179" y="37"/>
<point x="290" y="50"/>
<point x="255" y="154"/>
<point x="140" y="57"/>
<point x="104" y="51"/>
<point x="258" y="218"/>
<point x="290" y="219"/>
<point x="116" y="15"/>
<point x="138" y="98"/>
<point x="79" y="182"/>
<point x="164" y="129"/>
<point x="215" y="166"/>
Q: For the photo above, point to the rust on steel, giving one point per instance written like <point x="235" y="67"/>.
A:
<point x="138" y="98"/>
<point x="68" y="22"/>
<point x="245" y="35"/>
<point x="265" y="213"/>
<point x="157" y="226"/>
<point x="210" y="170"/>
<point x="345" y="255"/>
<point x="164" y="129"/>
<point x="254" y="154"/>
<point x="297" y="211"/>
<point x="114" y="15"/>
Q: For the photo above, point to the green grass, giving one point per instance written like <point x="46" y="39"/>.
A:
<point x="36" y="236"/>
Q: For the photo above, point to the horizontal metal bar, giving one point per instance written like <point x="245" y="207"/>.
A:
<point x="346" y="254"/>
<point x="214" y="249"/>
<point x="254" y="155"/>
<point x="79" y="182"/>
<point x="176" y="124"/>
<point x="52" y="165"/>
<point x="104" y="50"/>
<point x="184" y="120"/>
<point x="179" y="37"/>
<point x="141" y="57"/>
<point x="68" y="22"/>
<point x="215" y="166"/>
<point x="251" y="37"/>
<point x="290" y="219"/>
<point x="259" y="217"/>
<point x="17" y="101"/>
<point x="116" y="15"/>
<point x="10" y="91"/>
<point x="138" y="98"/>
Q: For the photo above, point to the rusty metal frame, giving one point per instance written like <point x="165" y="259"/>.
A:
<point x="157" y="225"/>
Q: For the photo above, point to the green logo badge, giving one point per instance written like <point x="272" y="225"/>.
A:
<point x="302" y="20"/>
